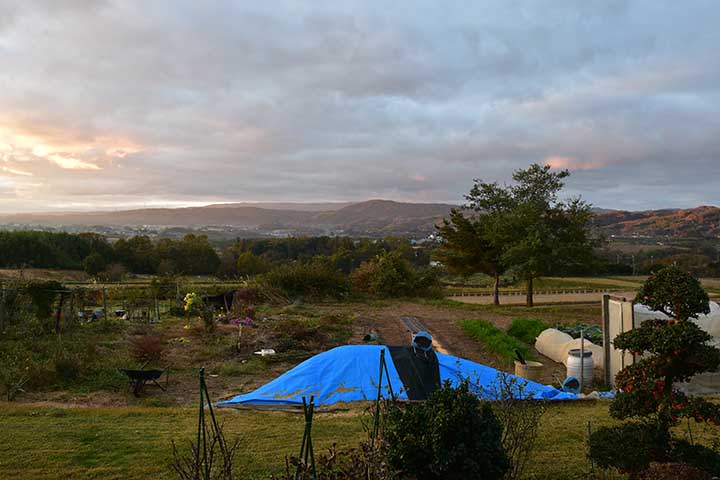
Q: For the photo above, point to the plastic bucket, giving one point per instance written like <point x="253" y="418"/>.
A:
<point x="529" y="370"/>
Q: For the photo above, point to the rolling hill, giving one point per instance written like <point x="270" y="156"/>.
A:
<point x="700" y="222"/>
<point x="373" y="217"/>
<point x="369" y="218"/>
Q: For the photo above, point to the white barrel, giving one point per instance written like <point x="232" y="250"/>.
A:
<point x="573" y="365"/>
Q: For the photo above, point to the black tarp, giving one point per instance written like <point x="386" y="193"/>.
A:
<point x="419" y="371"/>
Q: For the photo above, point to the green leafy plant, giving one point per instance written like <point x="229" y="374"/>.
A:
<point x="526" y="329"/>
<point x="17" y="363"/>
<point x="495" y="340"/>
<point x="452" y="435"/>
<point x="592" y="333"/>
<point x="193" y="304"/>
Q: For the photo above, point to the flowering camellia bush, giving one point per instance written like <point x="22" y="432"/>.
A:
<point x="674" y="350"/>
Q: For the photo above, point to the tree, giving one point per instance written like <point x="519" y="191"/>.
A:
<point x="477" y="243"/>
<point x="544" y="236"/>
<point x="673" y="351"/>
<point x="250" y="265"/>
<point x="94" y="264"/>
<point x="523" y="227"/>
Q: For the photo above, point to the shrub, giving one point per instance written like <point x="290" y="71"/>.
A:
<point x="390" y="275"/>
<point x="494" y="339"/>
<point x="526" y="329"/>
<point x="315" y="279"/>
<point x="674" y="351"/>
<point x="68" y="366"/>
<point x="698" y="456"/>
<point x="147" y="348"/>
<point x="16" y="362"/>
<point x="452" y="435"/>
<point x="519" y="415"/>
<point x="675" y="293"/>
<point x="113" y="273"/>
<point x="673" y="471"/>
<point x="608" y="446"/>
<point x="365" y="461"/>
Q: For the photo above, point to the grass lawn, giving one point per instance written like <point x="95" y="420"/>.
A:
<point x="134" y="443"/>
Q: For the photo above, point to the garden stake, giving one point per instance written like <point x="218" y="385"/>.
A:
<point x="589" y="432"/>
<point x="306" y="449"/>
<point x="376" y="420"/>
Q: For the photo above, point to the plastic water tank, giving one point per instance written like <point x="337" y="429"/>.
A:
<point x="573" y="365"/>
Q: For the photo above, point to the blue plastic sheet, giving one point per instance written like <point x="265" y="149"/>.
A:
<point x="350" y="373"/>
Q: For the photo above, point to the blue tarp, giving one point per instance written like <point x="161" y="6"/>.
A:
<point x="350" y="374"/>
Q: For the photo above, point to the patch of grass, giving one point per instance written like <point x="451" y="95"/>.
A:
<point x="494" y="339"/>
<point x="134" y="443"/>
<point x="526" y="329"/>
<point x="590" y="313"/>
<point x="252" y="366"/>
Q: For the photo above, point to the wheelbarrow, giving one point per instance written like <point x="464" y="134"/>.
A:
<point x="139" y="378"/>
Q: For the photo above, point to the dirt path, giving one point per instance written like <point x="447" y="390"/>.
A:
<point x="448" y="337"/>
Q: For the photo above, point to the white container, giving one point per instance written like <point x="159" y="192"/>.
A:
<point x="573" y="366"/>
<point x="265" y="352"/>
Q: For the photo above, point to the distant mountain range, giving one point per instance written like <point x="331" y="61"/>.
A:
<point x="372" y="218"/>
<point x="699" y="222"/>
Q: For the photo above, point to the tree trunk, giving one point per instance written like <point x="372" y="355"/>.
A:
<point x="529" y="298"/>
<point x="496" y="290"/>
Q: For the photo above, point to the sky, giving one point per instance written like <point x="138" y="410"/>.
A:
<point x="117" y="104"/>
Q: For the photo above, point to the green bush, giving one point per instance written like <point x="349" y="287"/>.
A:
<point x="390" y="275"/>
<point x="452" y="435"/>
<point x="316" y="280"/>
<point x="495" y="340"/>
<point x="608" y="446"/>
<point x="526" y="329"/>
<point x="16" y="363"/>
<point x="673" y="471"/>
<point x="698" y="456"/>
<point x="673" y="351"/>
<point x="68" y="366"/>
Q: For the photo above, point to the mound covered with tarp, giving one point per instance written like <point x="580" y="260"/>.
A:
<point x="350" y="373"/>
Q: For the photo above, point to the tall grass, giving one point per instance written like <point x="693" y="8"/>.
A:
<point x="495" y="340"/>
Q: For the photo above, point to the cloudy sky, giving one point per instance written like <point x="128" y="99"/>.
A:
<point x="111" y="104"/>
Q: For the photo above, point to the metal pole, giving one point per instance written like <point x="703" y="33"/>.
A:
<point x="582" y="358"/>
